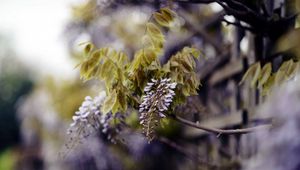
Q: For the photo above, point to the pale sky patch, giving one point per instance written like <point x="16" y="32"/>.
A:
<point x="36" y="29"/>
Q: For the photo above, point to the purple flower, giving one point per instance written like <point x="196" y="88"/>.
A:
<point x="157" y="99"/>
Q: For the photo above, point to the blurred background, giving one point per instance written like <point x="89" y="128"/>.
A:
<point x="40" y="88"/>
<point x="34" y="54"/>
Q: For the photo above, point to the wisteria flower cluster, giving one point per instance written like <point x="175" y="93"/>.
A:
<point x="159" y="96"/>
<point x="90" y="120"/>
<point x="88" y="114"/>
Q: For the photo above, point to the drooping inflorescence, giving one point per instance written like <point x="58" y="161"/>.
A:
<point x="156" y="101"/>
<point x="89" y="120"/>
<point x="88" y="113"/>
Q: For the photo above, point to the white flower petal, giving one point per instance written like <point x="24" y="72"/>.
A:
<point x="75" y="118"/>
<point x="168" y="96"/>
<point x="150" y="84"/>
<point x="171" y="92"/>
<point x="84" y="115"/>
<point x="146" y="89"/>
<point x="71" y="125"/>
<point x="173" y="85"/>
<point x="153" y="80"/>
<point x="88" y="98"/>
<point x="82" y="109"/>
<point x="168" y="100"/>
<point x="141" y="109"/>
<point x="142" y="121"/>
<point x="161" y="109"/>
<point x="164" y="107"/>
<point x="86" y="103"/>
<point x="161" y="115"/>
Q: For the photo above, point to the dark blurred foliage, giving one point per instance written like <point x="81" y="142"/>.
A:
<point x="13" y="86"/>
<point x="14" y="83"/>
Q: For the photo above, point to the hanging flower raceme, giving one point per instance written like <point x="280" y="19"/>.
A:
<point x="90" y="120"/>
<point x="87" y="118"/>
<point x="156" y="101"/>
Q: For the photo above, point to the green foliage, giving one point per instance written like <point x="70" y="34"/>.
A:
<point x="109" y="65"/>
<point x="264" y="79"/>
<point x="265" y="74"/>
<point x="165" y="17"/>
<point x="125" y="80"/>
<point x="252" y="74"/>
<point x="181" y="68"/>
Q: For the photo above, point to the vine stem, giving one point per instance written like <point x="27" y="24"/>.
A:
<point x="220" y="131"/>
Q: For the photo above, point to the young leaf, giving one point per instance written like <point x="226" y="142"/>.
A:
<point x="109" y="102"/>
<point x="265" y="74"/>
<point x="122" y="100"/>
<point x="160" y="19"/>
<point x="268" y="85"/>
<point x="154" y="31"/>
<point x="168" y="14"/>
<point x="88" y="48"/>
<point x="252" y="74"/>
<point x="293" y="70"/>
<point x="195" y="52"/>
<point x="280" y="77"/>
<point x="282" y="73"/>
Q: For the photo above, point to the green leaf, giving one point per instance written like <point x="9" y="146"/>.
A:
<point x="160" y="19"/>
<point x="154" y="32"/>
<point x="107" y="69"/>
<point x="293" y="70"/>
<point x="195" y="52"/>
<point x="265" y="74"/>
<point x="149" y="56"/>
<point x="168" y="14"/>
<point x="268" y="85"/>
<point x="280" y="77"/>
<point x="109" y="102"/>
<point x="282" y="73"/>
<point x="252" y="74"/>
<point x="88" y="48"/>
<point x="122" y="100"/>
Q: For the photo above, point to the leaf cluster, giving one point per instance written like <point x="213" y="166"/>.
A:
<point x="263" y="77"/>
<point x="108" y="65"/>
<point x="181" y="68"/>
<point x="125" y="80"/>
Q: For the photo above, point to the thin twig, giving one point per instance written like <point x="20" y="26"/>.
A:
<point x="238" y="25"/>
<point x="242" y="7"/>
<point x="221" y="131"/>
<point x="196" y="157"/>
<point x="216" y="130"/>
